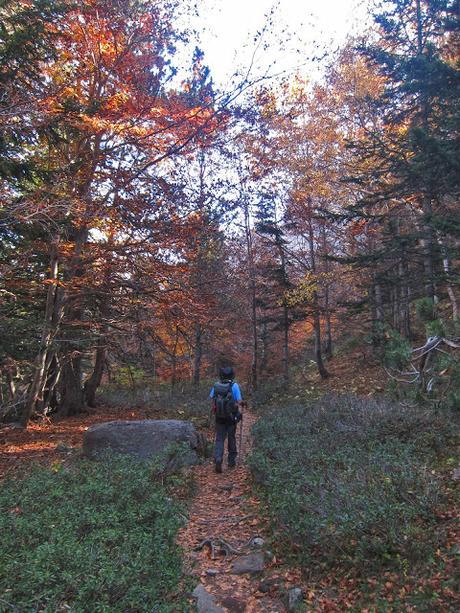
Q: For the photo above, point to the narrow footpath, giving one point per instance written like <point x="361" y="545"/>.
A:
<point x="225" y="545"/>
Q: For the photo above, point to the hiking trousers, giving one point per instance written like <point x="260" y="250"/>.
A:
<point x="222" y="432"/>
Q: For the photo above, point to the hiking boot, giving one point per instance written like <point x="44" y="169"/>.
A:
<point x="231" y="464"/>
<point x="218" y="467"/>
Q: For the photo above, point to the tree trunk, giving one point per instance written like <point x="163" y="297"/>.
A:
<point x="197" y="355"/>
<point x="378" y="316"/>
<point x="11" y="384"/>
<point x="49" y="394"/>
<point x="323" y="373"/>
<point x="92" y="384"/>
<point x="72" y="395"/>
<point x="327" y="314"/>
<point x="395" y="305"/>
<point x="404" y="312"/>
<point x="317" y="335"/>
<point x="446" y="269"/>
<point x="379" y="310"/>
<point x="327" y="311"/>
<point x="428" y="265"/>
<point x="72" y="398"/>
<point x="285" y="318"/>
<point x="264" y="338"/>
<point x="174" y="362"/>
<point x="285" y="344"/>
<point x="53" y="315"/>
<point x="252" y="282"/>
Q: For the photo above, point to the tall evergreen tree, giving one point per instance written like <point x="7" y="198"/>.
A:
<point x="411" y="155"/>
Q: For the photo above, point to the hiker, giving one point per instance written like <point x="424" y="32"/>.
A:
<point x="226" y="402"/>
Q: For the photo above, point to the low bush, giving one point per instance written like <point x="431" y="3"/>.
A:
<point x="96" y="537"/>
<point x="349" y="479"/>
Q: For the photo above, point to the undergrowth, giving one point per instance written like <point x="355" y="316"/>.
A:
<point x="96" y="537"/>
<point x="184" y="401"/>
<point x="350" y="480"/>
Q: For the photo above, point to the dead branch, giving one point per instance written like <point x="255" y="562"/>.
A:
<point x="220" y="545"/>
<point x="425" y="354"/>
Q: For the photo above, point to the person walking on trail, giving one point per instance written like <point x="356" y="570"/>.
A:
<point x="226" y="403"/>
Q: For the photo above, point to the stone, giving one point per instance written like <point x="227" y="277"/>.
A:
<point x="145" y="439"/>
<point x="257" y="542"/>
<point x="233" y="605"/>
<point x="206" y="602"/>
<point x="251" y="564"/>
<point x="294" y="598"/>
<point x="269" y="584"/>
<point x="456" y="474"/>
<point x="212" y="572"/>
<point x="225" y="488"/>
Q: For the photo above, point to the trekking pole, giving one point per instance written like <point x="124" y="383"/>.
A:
<point x="241" y="438"/>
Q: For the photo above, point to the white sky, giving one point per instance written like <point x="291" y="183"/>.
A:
<point x="301" y="29"/>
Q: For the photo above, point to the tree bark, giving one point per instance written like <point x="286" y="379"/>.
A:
<point x="49" y="402"/>
<point x="323" y="373"/>
<point x="174" y="362"/>
<point x="395" y="305"/>
<point x="252" y="283"/>
<point x="327" y="315"/>
<point x="404" y="312"/>
<point x="285" y="317"/>
<point x="53" y="315"/>
<point x="379" y="310"/>
<point x="264" y="338"/>
<point x="92" y="384"/>
<point x="449" y="288"/>
<point x="317" y="335"/>
<point x="11" y="384"/>
<point x="72" y="398"/>
<point x="327" y="311"/>
<point x="197" y="355"/>
<point x="71" y="389"/>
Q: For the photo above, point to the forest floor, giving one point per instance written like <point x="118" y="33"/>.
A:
<point x="225" y="516"/>
<point x="51" y="441"/>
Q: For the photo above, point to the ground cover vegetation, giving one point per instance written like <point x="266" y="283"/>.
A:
<point x="102" y="538"/>
<point x="358" y="488"/>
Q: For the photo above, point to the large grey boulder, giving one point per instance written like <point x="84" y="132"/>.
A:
<point x="146" y="439"/>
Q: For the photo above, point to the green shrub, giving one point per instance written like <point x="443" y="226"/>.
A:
<point x="347" y="479"/>
<point x="425" y="309"/>
<point x="128" y="376"/>
<point x="397" y="350"/>
<point x="98" y="537"/>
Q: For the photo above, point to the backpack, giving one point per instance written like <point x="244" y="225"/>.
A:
<point x="224" y="401"/>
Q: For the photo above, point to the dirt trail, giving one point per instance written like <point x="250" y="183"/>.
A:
<point x="226" y="513"/>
